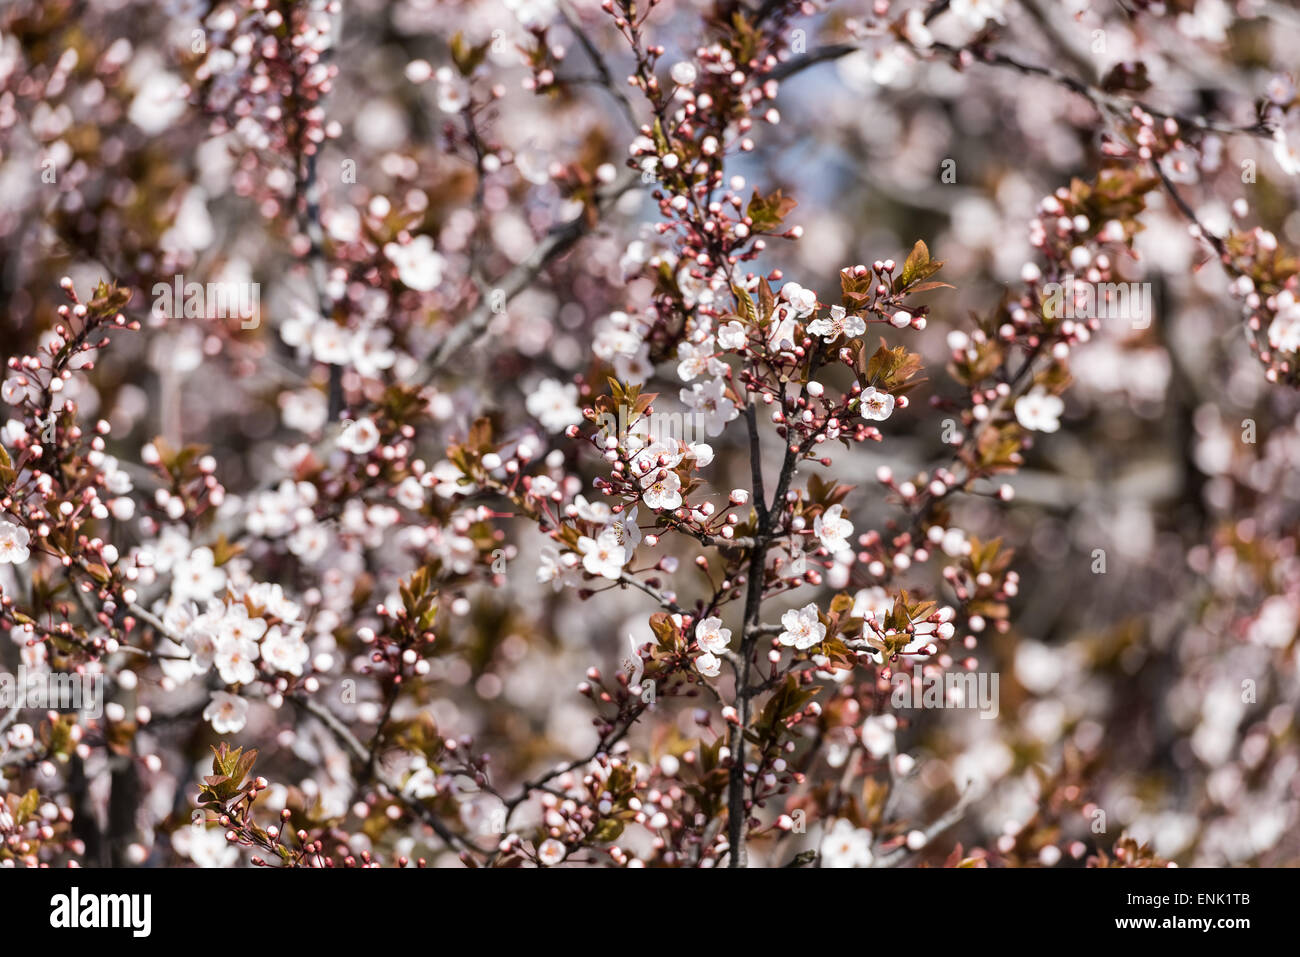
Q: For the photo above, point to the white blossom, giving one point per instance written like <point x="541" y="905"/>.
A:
<point x="663" y="490"/>
<point x="419" y="265"/>
<point x="197" y="576"/>
<point x="227" y="713"/>
<point x="1039" y="411"/>
<point x="360" y="437"/>
<point x="802" y="628"/>
<point x="284" y="650"/>
<point x="878" y="734"/>
<point x="712" y="637"/>
<point x="556" y="567"/>
<point x="833" y="530"/>
<point x="603" y="556"/>
<point x="550" y="852"/>
<point x="14" y="540"/>
<point x="840" y="323"/>
<point x="1284" y="330"/>
<point x="846" y="846"/>
<point x="709" y="399"/>
<point x="732" y="336"/>
<point x="708" y="665"/>
<point x="876" y="405"/>
<point x="234" y="660"/>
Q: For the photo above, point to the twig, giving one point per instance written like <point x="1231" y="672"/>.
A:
<point x="941" y="824"/>
<point x="516" y="281"/>
<point x="349" y="740"/>
<point x="604" y="77"/>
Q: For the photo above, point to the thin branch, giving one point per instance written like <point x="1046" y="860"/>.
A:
<point x="1103" y="99"/>
<point x="664" y="601"/>
<point x="349" y="741"/>
<point x="797" y="65"/>
<point x="517" y="280"/>
<point x="941" y="824"/>
<point x="1190" y="214"/>
<point x="604" y="77"/>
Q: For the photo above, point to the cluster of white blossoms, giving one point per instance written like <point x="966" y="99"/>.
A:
<point x="654" y="467"/>
<point x="794" y="303"/>
<point x="366" y="349"/>
<point x="14" y="540"/>
<point x="713" y="641"/>
<point x="279" y="511"/>
<point x="603" y="555"/>
<point x="699" y="355"/>
<point x="228" y="639"/>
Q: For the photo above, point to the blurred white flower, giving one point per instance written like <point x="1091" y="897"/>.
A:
<point x="555" y="405"/>
<point x="555" y="567"/>
<point x="1276" y="624"/>
<point x="878" y="734"/>
<point x="977" y="13"/>
<point x="197" y="577"/>
<point x="360" y="437"/>
<point x="14" y="540"/>
<point x="550" y="852"/>
<point x="227" y="713"/>
<point x="709" y="399"/>
<point x="158" y="103"/>
<point x="1039" y="411"/>
<point x="1284" y="330"/>
<point x="419" y="265"/>
<point x="284" y="650"/>
<point x="846" y="846"/>
<point x="234" y="660"/>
